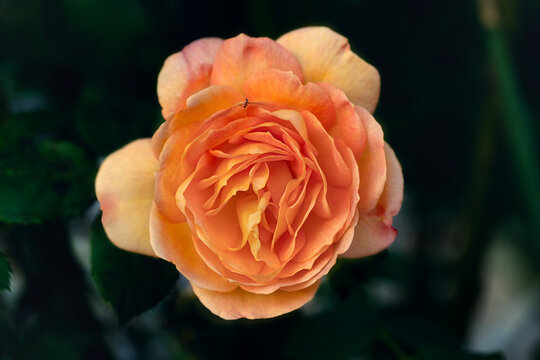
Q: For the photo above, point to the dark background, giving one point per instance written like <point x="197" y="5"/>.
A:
<point x="459" y="104"/>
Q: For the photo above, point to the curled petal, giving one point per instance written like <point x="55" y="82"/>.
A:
<point x="326" y="56"/>
<point x="199" y="107"/>
<point x="185" y="73"/>
<point x="167" y="177"/>
<point x="348" y="126"/>
<point x="125" y="188"/>
<point x="330" y="159"/>
<point x="239" y="303"/>
<point x="243" y="56"/>
<point x="173" y="242"/>
<point x="374" y="232"/>
<point x="269" y="167"/>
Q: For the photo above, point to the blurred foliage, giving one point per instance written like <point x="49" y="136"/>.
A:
<point x="517" y="124"/>
<point x="52" y="316"/>
<point x="131" y="283"/>
<point x="5" y="271"/>
<point x="77" y="81"/>
<point x="44" y="181"/>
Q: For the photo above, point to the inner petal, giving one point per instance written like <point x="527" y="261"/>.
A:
<point x="249" y="210"/>
<point x="238" y="182"/>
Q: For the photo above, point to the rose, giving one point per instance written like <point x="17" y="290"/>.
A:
<point x="268" y="167"/>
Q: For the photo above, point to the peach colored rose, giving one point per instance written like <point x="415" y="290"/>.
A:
<point x="268" y="167"/>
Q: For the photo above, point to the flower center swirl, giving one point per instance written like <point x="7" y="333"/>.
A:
<point x="253" y="185"/>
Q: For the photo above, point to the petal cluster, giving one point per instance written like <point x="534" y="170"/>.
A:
<point x="268" y="167"/>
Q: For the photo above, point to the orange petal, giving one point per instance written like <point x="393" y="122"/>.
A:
<point x="242" y="56"/>
<point x="199" y="107"/>
<point x="323" y="232"/>
<point x="348" y="126"/>
<point x="371" y="164"/>
<point x="242" y="304"/>
<point x="375" y="233"/>
<point x="342" y="202"/>
<point x="184" y="73"/>
<point x="326" y="56"/>
<point x="168" y="176"/>
<point x="173" y="242"/>
<point x="125" y="189"/>
<point x="329" y="158"/>
<point x="283" y="88"/>
<point x="336" y="249"/>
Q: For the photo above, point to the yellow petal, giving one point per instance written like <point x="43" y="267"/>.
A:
<point x="125" y="189"/>
<point x="326" y="56"/>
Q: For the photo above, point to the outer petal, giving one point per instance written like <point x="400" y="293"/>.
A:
<point x="326" y="56"/>
<point x="392" y="196"/>
<point x="371" y="164"/>
<point x="283" y="88"/>
<point x="125" y="189"/>
<point x="243" y="56"/>
<point x="186" y="72"/>
<point x="371" y="236"/>
<point x="375" y="233"/>
<point x="239" y="303"/>
<point x="348" y="125"/>
<point x="173" y="242"/>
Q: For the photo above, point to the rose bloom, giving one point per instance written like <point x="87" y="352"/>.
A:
<point x="268" y="168"/>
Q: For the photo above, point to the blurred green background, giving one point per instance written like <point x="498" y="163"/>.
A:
<point x="459" y="104"/>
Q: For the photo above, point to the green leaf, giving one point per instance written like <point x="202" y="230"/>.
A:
<point x="131" y="283"/>
<point x="29" y="125"/>
<point x="5" y="272"/>
<point x="44" y="181"/>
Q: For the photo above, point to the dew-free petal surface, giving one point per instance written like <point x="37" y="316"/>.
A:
<point x="371" y="164"/>
<point x="174" y="243"/>
<point x="239" y="303"/>
<point x="186" y="72"/>
<point x="371" y="236"/>
<point x="326" y="56"/>
<point x="242" y="56"/>
<point x="392" y="195"/>
<point x="125" y="189"/>
<point x="347" y="126"/>
<point x="283" y="88"/>
<point x="199" y="107"/>
<point x="374" y="232"/>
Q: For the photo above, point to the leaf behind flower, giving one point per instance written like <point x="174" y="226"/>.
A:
<point x="131" y="283"/>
